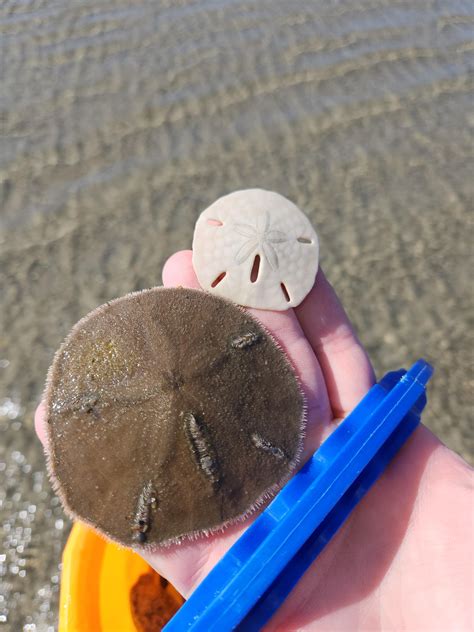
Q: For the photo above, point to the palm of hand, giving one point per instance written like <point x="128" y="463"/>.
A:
<point x="400" y="561"/>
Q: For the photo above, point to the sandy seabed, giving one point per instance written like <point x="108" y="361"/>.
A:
<point x="121" y="123"/>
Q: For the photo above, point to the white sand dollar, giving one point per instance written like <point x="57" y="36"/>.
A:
<point x="256" y="248"/>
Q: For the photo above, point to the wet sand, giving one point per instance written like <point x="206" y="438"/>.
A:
<point x="121" y="123"/>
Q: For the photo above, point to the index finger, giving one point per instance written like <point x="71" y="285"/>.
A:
<point x="346" y="367"/>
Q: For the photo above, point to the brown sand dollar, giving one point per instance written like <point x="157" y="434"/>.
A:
<point x="171" y="413"/>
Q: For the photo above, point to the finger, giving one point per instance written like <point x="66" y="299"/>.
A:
<point x="178" y="271"/>
<point x="40" y="424"/>
<point x="285" y="327"/>
<point x="344" y="362"/>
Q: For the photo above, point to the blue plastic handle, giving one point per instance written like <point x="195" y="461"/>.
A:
<point x="255" y="576"/>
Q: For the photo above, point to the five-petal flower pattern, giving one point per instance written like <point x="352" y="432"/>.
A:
<point x="261" y="239"/>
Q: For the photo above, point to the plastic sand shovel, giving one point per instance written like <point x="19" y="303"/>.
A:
<point x="255" y="576"/>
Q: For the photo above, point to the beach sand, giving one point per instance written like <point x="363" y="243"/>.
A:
<point x="122" y="123"/>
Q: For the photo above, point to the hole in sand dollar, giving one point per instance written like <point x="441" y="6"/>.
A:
<point x="218" y="279"/>
<point x="255" y="269"/>
<point x="285" y="292"/>
<point x="304" y="240"/>
<point x="215" y="222"/>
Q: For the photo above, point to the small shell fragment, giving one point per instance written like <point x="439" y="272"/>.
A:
<point x="256" y="248"/>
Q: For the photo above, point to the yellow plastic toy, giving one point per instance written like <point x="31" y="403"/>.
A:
<point x="97" y="582"/>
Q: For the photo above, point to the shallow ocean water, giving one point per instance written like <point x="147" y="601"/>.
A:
<point x="121" y="121"/>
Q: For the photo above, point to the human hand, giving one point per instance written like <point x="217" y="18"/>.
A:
<point x="401" y="561"/>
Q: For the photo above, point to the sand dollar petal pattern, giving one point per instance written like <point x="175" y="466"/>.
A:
<point x="256" y="248"/>
<point x="170" y="413"/>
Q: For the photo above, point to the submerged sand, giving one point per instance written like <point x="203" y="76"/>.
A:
<point x="122" y="122"/>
